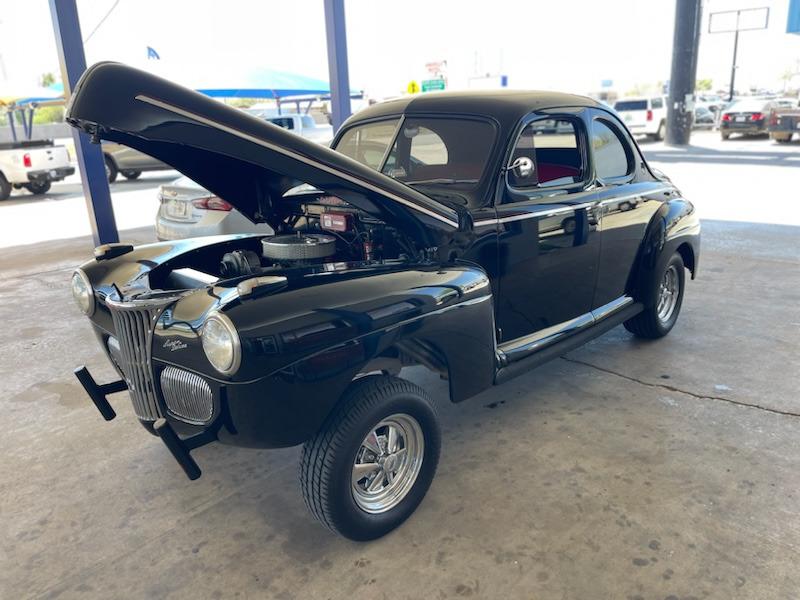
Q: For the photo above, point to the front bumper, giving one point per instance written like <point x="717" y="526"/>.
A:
<point x="46" y="175"/>
<point x="743" y="128"/>
<point x="180" y="448"/>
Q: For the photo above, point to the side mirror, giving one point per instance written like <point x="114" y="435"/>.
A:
<point x="522" y="167"/>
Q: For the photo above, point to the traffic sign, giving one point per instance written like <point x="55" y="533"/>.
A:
<point x="433" y="85"/>
<point x="413" y="87"/>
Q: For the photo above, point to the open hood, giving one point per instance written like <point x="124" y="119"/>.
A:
<point x="245" y="160"/>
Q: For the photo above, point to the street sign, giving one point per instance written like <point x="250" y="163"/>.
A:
<point x="433" y="85"/>
<point x="413" y="87"/>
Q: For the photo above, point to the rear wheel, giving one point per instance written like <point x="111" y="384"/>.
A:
<point x="111" y="169"/>
<point x="657" y="320"/>
<point x="38" y="187"/>
<point x="781" y="138"/>
<point x="370" y="465"/>
<point x="724" y="135"/>
<point x="5" y="188"/>
<point x="659" y="135"/>
<point x="131" y="174"/>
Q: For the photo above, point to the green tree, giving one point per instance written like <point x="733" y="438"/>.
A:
<point x="703" y="85"/>
<point x="47" y="79"/>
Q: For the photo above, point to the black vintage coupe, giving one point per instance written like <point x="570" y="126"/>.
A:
<point x="476" y="234"/>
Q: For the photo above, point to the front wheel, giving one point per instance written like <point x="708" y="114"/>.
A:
<point x="657" y="320"/>
<point x="111" y="169"/>
<point x="131" y="174"/>
<point x="370" y="465"/>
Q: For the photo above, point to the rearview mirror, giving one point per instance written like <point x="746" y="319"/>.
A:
<point x="522" y="167"/>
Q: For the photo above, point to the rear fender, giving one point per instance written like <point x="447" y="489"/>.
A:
<point x="675" y="227"/>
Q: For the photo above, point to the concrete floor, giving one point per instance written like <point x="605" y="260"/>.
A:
<point x="626" y="470"/>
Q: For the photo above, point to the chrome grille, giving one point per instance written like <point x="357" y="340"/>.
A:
<point x="133" y="324"/>
<point x="187" y="395"/>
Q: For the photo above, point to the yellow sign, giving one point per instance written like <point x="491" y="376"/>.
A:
<point x="413" y="87"/>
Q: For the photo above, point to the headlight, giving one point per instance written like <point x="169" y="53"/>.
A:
<point x="82" y="292"/>
<point x="221" y="344"/>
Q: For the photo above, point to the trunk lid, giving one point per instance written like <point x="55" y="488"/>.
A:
<point x="244" y="160"/>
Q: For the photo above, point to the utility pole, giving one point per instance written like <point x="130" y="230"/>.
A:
<point x="733" y="65"/>
<point x="685" y="46"/>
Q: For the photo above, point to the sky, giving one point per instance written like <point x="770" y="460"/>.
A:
<point x="569" y="45"/>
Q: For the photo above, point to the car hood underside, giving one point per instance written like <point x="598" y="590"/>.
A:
<point x="245" y="160"/>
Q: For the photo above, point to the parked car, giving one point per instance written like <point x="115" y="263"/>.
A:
<point x="480" y="243"/>
<point x="703" y="118"/>
<point x="188" y="210"/>
<point x="644" y="116"/>
<point x="747" y="117"/>
<point x="32" y="165"/>
<point x="130" y="163"/>
<point x="784" y="122"/>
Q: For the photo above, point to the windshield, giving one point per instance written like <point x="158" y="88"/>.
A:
<point x="747" y="106"/>
<point x="450" y="154"/>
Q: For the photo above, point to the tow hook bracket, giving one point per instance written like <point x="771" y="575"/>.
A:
<point x="98" y="392"/>
<point x="181" y="448"/>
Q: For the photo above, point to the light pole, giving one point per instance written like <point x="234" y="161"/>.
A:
<point x="734" y="21"/>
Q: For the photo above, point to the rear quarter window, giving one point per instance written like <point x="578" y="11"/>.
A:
<point x="624" y="105"/>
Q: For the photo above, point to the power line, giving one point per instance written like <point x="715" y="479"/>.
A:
<point x="110" y="10"/>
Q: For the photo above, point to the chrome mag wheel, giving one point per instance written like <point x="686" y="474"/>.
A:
<point x="668" y="294"/>
<point x="387" y="463"/>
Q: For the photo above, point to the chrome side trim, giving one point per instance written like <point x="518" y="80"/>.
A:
<point x="544" y="337"/>
<point x="296" y="156"/>
<point x="550" y="213"/>
<point x="523" y="346"/>
<point x="609" y="309"/>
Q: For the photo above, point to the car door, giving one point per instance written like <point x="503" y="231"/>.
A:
<point x="628" y="195"/>
<point x="548" y="244"/>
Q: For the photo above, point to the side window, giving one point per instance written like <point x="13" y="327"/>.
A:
<point x="612" y="158"/>
<point x="657" y="103"/>
<point x="308" y="121"/>
<point x="285" y="122"/>
<point x="554" y="149"/>
<point x="368" y="143"/>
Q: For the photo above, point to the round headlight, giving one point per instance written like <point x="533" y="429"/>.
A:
<point x="82" y="292"/>
<point x="221" y="344"/>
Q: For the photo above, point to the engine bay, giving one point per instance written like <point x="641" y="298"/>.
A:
<point x="319" y="233"/>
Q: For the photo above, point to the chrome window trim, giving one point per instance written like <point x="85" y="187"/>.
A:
<point x="299" y="157"/>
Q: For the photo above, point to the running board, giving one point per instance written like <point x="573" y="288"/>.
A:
<point x="567" y="344"/>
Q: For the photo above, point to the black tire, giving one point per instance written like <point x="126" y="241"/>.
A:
<point x="648" y="324"/>
<point x="37" y="188"/>
<point x="327" y="460"/>
<point x="724" y="135"/>
<point x="659" y="135"/>
<point x="111" y="169"/>
<point x="5" y="188"/>
<point x="129" y="174"/>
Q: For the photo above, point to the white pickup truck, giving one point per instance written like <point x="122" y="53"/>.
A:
<point x="302" y="125"/>
<point x="32" y="165"/>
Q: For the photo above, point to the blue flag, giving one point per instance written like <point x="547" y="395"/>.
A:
<point x="151" y="53"/>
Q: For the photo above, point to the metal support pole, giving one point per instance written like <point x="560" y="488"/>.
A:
<point x="685" y="45"/>
<point x="69" y="42"/>
<point x="336" y="34"/>
<point x="733" y="66"/>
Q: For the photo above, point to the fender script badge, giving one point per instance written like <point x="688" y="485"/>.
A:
<point x="173" y="345"/>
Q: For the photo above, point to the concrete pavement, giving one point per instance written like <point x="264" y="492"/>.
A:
<point x="627" y="469"/>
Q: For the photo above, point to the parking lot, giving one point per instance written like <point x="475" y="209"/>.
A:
<point x="625" y="469"/>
